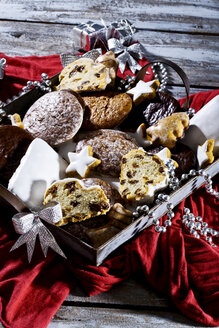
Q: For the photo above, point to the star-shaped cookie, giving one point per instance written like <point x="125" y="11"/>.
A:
<point x="205" y="154"/>
<point x="144" y="90"/>
<point x="82" y="162"/>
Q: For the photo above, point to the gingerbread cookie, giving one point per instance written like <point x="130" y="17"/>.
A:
<point x="78" y="202"/>
<point x="205" y="154"/>
<point x="55" y="117"/>
<point x="141" y="176"/>
<point x="167" y="130"/>
<point x="109" y="146"/>
<point x="105" y="110"/>
<point x="84" y="75"/>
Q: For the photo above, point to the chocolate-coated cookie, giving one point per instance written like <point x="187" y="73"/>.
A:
<point x="14" y="142"/>
<point x="185" y="157"/>
<point x="162" y="106"/>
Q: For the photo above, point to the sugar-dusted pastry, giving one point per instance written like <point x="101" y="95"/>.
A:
<point x="38" y="169"/>
<point x="105" y="110"/>
<point x="144" y="90"/>
<point x="142" y="174"/>
<point x="109" y="60"/>
<point x="78" y="202"/>
<point x="203" y="126"/>
<point x="82" y="162"/>
<point x="109" y="146"/>
<point x="55" y="117"/>
<point x="84" y="75"/>
<point x="205" y="154"/>
<point x="14" y="142"/>
<point x="167" y="130"/>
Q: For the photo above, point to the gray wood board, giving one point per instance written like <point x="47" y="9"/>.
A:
<point x="91" y="317"/>
<point x="130" y="292"/>
<point x="193" y="16"/>
<point x="196" y="54"/>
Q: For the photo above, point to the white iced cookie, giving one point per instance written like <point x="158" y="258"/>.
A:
<point x="204" y="125"/>
<point x="205" y="153"/>
<point x="38" y="169"/>
<point x="144" y="90"/>
<point x="165" y="156"/>
<point x="82" y="162"/>
<point x="142" y="174"/>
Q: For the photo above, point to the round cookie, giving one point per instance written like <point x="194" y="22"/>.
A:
<point x="14" y="142"/>
<point x="109" y="146"/>
<point x="105" y="110"/>
<point x="55" y="117"/>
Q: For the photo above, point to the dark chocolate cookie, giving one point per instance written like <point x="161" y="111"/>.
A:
<point x="162" y="106"/>
<point x="14" y="142"/>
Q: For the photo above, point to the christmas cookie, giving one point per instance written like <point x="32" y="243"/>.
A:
<point x="14" y="142"/>
<point x="105" y="110"/>
<point x="82" y="162"/>
<point x="141" y="176"/>
<point x="144" y="90"/>
<point x="167" y="130"/>
<point x="38" y="169"/>
<point x="109" y="60"/>
<point x="77" y="201"/>
<point x="55" y="117"/>
<point x="16" y="120"/>
<point x="205" y="153"/>
<point x="161" y="106"/>
<point x="84" y="75"/>
<point x="109" y="146"/>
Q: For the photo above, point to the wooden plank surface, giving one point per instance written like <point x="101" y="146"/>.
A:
<point x="196" y="54"/>
<point x="184" y="31"/>
<point x="192" y="16"/>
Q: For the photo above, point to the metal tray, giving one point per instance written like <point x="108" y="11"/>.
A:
<point x="97" y="255"/>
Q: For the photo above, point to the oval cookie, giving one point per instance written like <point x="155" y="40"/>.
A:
<point x="105" y="110"/>
<point x="55" y="117"/>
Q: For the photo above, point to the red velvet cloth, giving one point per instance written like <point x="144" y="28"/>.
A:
<point x="175" y="263"/>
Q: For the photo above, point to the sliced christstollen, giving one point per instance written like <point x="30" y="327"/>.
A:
<point x="78" y="201"/>
<point x="142" y="174"/>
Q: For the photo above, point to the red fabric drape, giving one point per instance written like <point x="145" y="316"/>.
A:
<point x="175" y="263"/>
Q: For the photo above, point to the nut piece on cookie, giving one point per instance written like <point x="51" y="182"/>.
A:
<point x="205" y="153"/>
<point x="167" y="130"/>
<point x="144" y="90"/>
<point x="141" y="176"/>
<point x="16" y="120"/>
<point x="105" y="110"/>
<point x="84" y="75"/>
<point x="82" y="162"/>
<point x="77" y="201"/>
<point x="109" y="60"/>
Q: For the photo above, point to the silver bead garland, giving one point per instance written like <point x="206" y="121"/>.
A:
<point x="194" y="224"/>
<point x="160" y="73"/>
<point x="44" y="85"/>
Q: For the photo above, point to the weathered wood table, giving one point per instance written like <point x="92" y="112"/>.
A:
<point x="184" y="31"/>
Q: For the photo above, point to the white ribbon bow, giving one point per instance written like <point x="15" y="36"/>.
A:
<point x="29" y="225"/>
